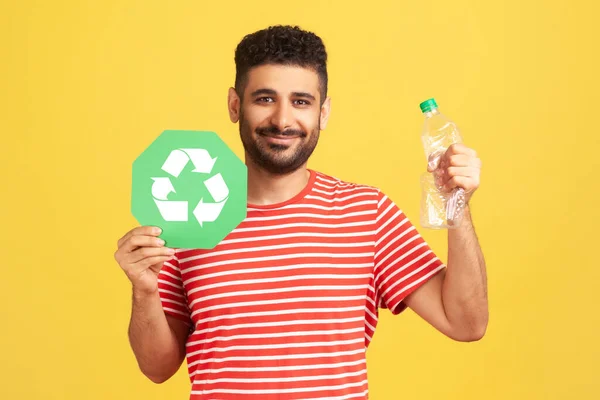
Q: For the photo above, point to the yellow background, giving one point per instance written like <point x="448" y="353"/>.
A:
<point x="87" y="85"/>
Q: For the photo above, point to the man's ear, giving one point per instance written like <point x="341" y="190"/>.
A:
<point x="233" y="105"/>
<point x="325" y="110"/>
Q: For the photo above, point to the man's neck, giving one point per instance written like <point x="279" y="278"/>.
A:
<point x="265" y="188"/>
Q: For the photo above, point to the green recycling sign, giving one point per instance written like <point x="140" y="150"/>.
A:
<point x="192" y="186"/>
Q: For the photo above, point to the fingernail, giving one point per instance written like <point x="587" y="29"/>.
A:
<point x="171" y="251"/>
<point x="161" y="242"/>
<point x="157" y="230"/>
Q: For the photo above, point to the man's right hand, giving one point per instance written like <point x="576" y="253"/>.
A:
<point x="141" y="254"/>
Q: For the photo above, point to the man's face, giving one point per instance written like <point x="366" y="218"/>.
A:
<point x="280" y="117"/>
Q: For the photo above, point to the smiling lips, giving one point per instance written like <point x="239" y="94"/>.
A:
<point x="280" y="139"/>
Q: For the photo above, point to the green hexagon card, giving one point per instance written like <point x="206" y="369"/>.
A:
<point x="192" y="186"/>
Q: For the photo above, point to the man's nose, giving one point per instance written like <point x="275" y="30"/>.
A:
<point x="282" y="116"/>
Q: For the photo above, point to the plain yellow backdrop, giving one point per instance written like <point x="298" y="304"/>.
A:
<point x="87" y="85"/>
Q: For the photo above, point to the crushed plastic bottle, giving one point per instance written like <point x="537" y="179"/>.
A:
<point x="439" y="210"/>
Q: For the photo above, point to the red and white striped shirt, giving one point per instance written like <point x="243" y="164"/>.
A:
<point x="286" y="305"/>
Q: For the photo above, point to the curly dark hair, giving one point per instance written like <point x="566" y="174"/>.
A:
<point x="281" y="44"/>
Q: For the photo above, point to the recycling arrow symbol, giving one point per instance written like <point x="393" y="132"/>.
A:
<point x="178" y="210"/>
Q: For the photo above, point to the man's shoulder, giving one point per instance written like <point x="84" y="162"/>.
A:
<point x="336" y="184"/>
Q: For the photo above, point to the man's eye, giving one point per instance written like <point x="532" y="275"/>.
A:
<point x="265" y="99"/>
<point x="302" y="102"/>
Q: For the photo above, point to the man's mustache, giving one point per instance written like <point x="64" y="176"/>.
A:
<point x="275" y="131"/>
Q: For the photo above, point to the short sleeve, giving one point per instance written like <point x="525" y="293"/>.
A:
<point x="171" y="291"/>
<point x="403" y="260"/>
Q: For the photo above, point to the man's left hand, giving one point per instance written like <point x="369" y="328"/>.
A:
<point x="460" y="167"/>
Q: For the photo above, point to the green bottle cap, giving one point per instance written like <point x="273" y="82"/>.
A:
<point x="428" y="105"/>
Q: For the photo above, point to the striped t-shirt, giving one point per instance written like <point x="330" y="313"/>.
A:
<point x="286" y="305"/>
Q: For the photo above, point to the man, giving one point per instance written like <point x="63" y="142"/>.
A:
<point x="285" y="306"/>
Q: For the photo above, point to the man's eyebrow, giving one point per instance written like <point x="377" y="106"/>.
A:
<point x="263" y="91"/>
<point x="303" y="94"/>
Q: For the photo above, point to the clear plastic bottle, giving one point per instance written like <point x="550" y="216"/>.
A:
<point x="439" y="210"/>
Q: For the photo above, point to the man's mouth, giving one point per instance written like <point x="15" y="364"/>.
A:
<point x="280" y="136"/>
<point x="280" y="139"/>
<point x="276" y="134"/>
<point x="275" y="137"/>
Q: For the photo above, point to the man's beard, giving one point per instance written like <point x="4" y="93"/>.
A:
<point x="270" y="156"/>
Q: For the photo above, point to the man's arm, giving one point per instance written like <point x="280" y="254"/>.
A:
<point x="158" y="340"/>
<point x="455" y="300"/>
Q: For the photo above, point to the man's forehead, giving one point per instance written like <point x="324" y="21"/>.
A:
<point x="283" y="79"/>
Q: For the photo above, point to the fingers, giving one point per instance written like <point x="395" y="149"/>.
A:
<point x="459" y="148"/>
<point x="137" y="241"/>
<point x="457" y="155"/>
<point x="460" y="155"/>
<point x="135" y="262"/>
<point x="135" y="270"/>
<point x="141" y="243"/>
<point x="469" y="184"/>
<point x="459" y="167"/>
<point x="154" y="263"/>
<point x="470" y="172"/>
<point x="148" y="252"/>
<point x="460" y="160"/>
<point x="141" y="255"/>
<point x="444" y="177"/>
<point x="140" y="230"/>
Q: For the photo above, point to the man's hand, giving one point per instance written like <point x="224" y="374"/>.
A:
<point x="459" y="167"/>
<point x="141" y="255"/>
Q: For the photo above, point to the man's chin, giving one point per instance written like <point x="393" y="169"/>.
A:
<point x="278" y="165"/>
<point x="278" y="148"/>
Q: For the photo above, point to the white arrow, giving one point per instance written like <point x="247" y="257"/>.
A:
<point x="217" y="188"/>
<point x="161" y="188"/>
<point x="175" y="163"/>
<point x="173" y="210"/>
<point x="208" y="212"/>
<point x="201" y="160"/>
